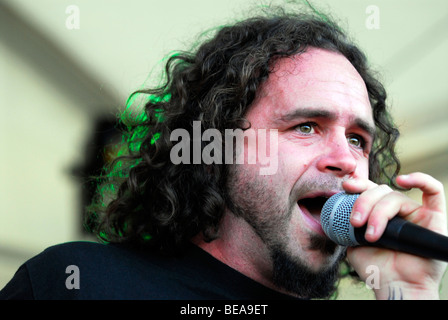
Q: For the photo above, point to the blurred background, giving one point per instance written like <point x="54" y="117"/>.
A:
<point x="67" y="68"/>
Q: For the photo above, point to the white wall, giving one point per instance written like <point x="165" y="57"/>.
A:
<point x="42" y="137"/>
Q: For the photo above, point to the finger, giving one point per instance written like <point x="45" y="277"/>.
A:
<point x="365" y="203"/>
<point x="384" y="210"/>
<point x="433" y="215"/>
<point x="433" y="197"/>
<point x="358" y="185"/>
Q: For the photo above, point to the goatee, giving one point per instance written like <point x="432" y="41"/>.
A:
<point x="295" y="277"/>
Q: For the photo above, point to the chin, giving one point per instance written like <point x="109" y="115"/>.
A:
<point x="323" y="253"/>
<point x="313" y="274"/>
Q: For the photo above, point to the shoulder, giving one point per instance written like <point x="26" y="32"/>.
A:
<point x="93" y="271"/>
<point x="48" y="267"/>
<point x="57" y="259"/>
<point x="79" y="251"/>
<point x="88" y="270"/>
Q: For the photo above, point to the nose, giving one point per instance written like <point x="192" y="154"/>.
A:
<point x="337" y="158"/>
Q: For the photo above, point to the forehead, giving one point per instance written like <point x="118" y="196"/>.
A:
<point x="316" y="78"/>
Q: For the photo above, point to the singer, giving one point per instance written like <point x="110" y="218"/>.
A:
<point x="224" y="231"/>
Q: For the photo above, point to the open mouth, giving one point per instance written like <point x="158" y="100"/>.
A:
<point x="312" y="206"/>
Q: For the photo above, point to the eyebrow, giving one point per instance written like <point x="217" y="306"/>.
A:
<point x="365" y="126"/>
<point x="320" y="113"/>
<point x="307" y="113"/>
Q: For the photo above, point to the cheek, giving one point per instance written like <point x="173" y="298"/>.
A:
<point x="362" y="169"/>
<point x="295" y="157"/>
<point x="292" y="164"/>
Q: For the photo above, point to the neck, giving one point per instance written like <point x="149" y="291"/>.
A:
<point x="241" y="248"/>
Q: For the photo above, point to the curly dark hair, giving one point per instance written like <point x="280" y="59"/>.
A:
<point x="143" y="198"/>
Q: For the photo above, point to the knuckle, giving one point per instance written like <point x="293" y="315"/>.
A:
<point x="385" y="188"/>
<point x="439" y="185"/>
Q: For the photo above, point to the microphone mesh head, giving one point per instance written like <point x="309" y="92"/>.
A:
<point x="335" y="218"/>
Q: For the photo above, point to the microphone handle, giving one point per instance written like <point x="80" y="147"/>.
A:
<point x="404" y="236"/>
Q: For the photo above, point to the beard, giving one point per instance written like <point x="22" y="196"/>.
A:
<point x="294" y="276"/>
<point x="257" y="202"/>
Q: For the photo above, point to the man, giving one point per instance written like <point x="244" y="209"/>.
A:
<point x="197" y="230"/>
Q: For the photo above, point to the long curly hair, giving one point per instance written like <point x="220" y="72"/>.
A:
<point x="143" y="198"/>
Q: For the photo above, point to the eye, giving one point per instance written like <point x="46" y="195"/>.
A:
<point x="356" y="141"/>
<point x="306" y="128"/>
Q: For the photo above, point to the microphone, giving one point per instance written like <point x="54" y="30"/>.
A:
<point x="400" y="235"/>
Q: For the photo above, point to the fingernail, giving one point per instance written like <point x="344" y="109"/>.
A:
<point x="357" y="216"/>
<point x="405" y="176"/>
<point x="370" y="230"/>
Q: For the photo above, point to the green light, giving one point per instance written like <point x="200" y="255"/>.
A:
<point x="155" y="137"/>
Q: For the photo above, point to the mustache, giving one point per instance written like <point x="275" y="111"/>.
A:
<point x="318" y="184"/>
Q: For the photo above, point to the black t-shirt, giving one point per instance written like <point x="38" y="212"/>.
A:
<point x="87" y="270"/>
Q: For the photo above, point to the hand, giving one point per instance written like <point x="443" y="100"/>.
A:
<point x="401" y="275"/>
